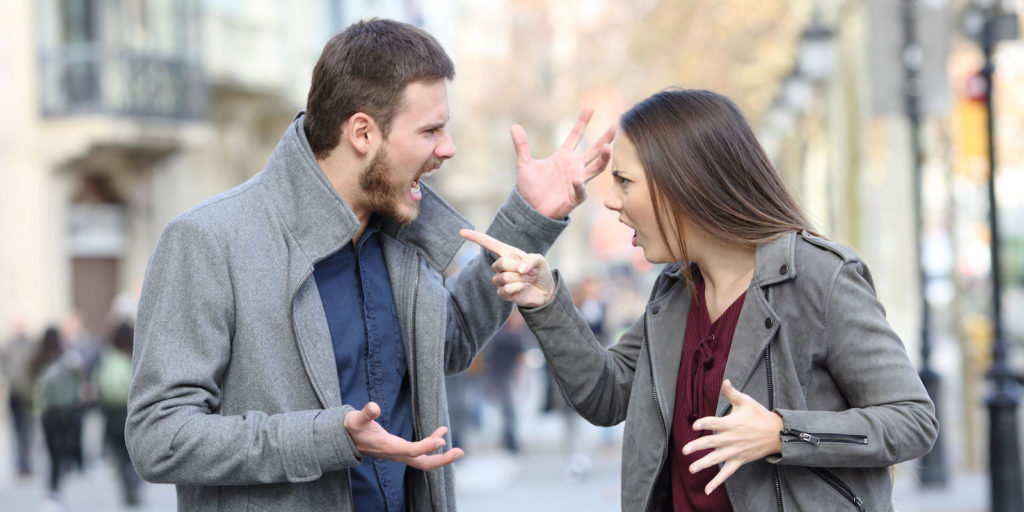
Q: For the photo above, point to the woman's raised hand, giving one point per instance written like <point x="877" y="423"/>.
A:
<point x="522" y="278"/>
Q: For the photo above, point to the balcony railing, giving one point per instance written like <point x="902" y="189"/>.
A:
<point x="95" y="78"/>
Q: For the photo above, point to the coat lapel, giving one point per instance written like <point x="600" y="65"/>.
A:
<point x="666" y="325"/>
<point x="758" y="322"/>
<point x="314" y="339"/>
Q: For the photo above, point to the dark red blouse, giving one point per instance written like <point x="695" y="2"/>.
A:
<point x="701" y="369"/>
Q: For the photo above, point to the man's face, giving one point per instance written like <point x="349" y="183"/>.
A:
<point x="418" y="143"/>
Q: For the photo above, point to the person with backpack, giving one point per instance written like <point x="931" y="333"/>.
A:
<point x="58" y="394"/>
<point x="111" y="378"/>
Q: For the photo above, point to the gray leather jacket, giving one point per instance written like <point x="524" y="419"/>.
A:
<point x="235" y="394"/>
<point x="812" y="343"/>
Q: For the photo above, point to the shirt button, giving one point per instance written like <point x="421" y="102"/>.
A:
<point x="783" y="270"/>
<point x="655" y="309"/>
<point x="768" y="323"/>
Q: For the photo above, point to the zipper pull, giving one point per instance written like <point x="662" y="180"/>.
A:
<point x="808" y="438"/>
<point x="803" y="436"/>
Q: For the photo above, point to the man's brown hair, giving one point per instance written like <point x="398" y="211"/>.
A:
<point x="365" y="69"/>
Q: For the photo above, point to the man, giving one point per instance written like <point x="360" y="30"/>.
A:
<point x="294" y="332"/>
<point x="16" y="366"/>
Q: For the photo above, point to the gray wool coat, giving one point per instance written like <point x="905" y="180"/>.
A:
<point x="235" y="395"/>
<point x="812" y="343"/>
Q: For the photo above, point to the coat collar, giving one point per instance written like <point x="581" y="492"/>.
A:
<point x="758" y="322"/>
<point x="321" y="222"/>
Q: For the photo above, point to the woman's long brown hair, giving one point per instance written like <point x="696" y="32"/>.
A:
<point x="704" y="165"/>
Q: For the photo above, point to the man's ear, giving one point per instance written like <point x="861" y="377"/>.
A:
<point x="362" y="133"/>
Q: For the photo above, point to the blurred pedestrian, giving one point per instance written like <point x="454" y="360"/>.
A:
<point x="112" y="378"/>
<point x="465" y="401"/>
<point x="503" y="366"/>
<point x="16" y="367"/>
<point x="58" y="396"/>
<point x="587" y="298"/>
<point x="764" y="361"/>
<point x="82" y="347"/>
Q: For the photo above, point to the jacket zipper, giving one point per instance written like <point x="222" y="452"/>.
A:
<point x="793" y="436"/>
<point x="833" y="481"/>
<point x="661" y="418"/>
<point x="771" y="407"/>
<point x="414" y="374"/>
<point x="316" y="390"/>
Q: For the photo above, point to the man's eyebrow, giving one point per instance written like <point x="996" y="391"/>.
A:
<point x="436" y="124"/>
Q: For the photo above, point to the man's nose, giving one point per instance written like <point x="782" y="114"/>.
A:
<point x="446" y="149"/>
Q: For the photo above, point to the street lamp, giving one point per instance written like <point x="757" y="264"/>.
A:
<point x="932" y="464"/>
<point x="816" y="57"/>
<point x="1005" y="394"/>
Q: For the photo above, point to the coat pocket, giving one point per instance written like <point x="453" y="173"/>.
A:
<point x="839" y="486"/>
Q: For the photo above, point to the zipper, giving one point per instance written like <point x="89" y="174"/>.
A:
<point x="414" y="372"/>
<point x="771" y="407"/>
<point x="295" y="333"/>
<point x="793" y="436"/>
<point x="661" y="418"/>
<point x="844" y="490"/>
<point x="305" y="367"/>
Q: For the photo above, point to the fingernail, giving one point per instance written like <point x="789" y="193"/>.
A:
<point x="523" y="267"/>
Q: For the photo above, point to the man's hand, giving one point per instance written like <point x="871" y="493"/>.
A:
<point x="749" y="432"/>
<point x="555" y="185"/>
<point x="524" y="279"/>
<point x="371" y="439"/>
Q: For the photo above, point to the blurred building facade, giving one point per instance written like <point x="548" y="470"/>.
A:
<point x="121" y="114"/>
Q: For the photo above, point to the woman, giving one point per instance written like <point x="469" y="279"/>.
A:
<point x="58" y="388"/>
<point x="819" y="397"/>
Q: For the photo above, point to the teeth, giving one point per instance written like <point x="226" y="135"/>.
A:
<point x="416" y="185"/>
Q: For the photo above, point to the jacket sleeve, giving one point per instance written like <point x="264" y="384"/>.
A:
<point x="175" y="433"/>
<point x="595" y="380"/>
<point x="891" y="418"/>
<point x="475" y="312"/>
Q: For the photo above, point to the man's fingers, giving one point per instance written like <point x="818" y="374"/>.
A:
<point x="360" y="419"/>
<point x="579" y="191"/>
<point x="597" y="165"/>
<point x="598" y="147"/>
<point x="521" y="143"/>
<point x="429" y="462"/>
<point x="576" y="135"/>
<point x="491" y="244"/>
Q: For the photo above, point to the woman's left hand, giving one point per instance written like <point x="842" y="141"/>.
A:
<point x="749" y="432"/>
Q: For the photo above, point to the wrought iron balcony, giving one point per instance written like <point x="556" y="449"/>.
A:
<point x="91" y="78"/>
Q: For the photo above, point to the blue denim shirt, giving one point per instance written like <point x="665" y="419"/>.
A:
<point x="368" y="351"/>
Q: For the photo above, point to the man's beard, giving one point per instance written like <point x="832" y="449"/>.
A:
<point x="384" y="196"/>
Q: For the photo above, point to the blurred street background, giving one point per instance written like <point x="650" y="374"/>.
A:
<point x="897" y="123"/>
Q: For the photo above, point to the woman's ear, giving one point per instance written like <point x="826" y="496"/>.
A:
<point x="361" y="133"/>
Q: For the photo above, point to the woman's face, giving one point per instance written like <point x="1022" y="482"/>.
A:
<point x="631" y="198"/>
